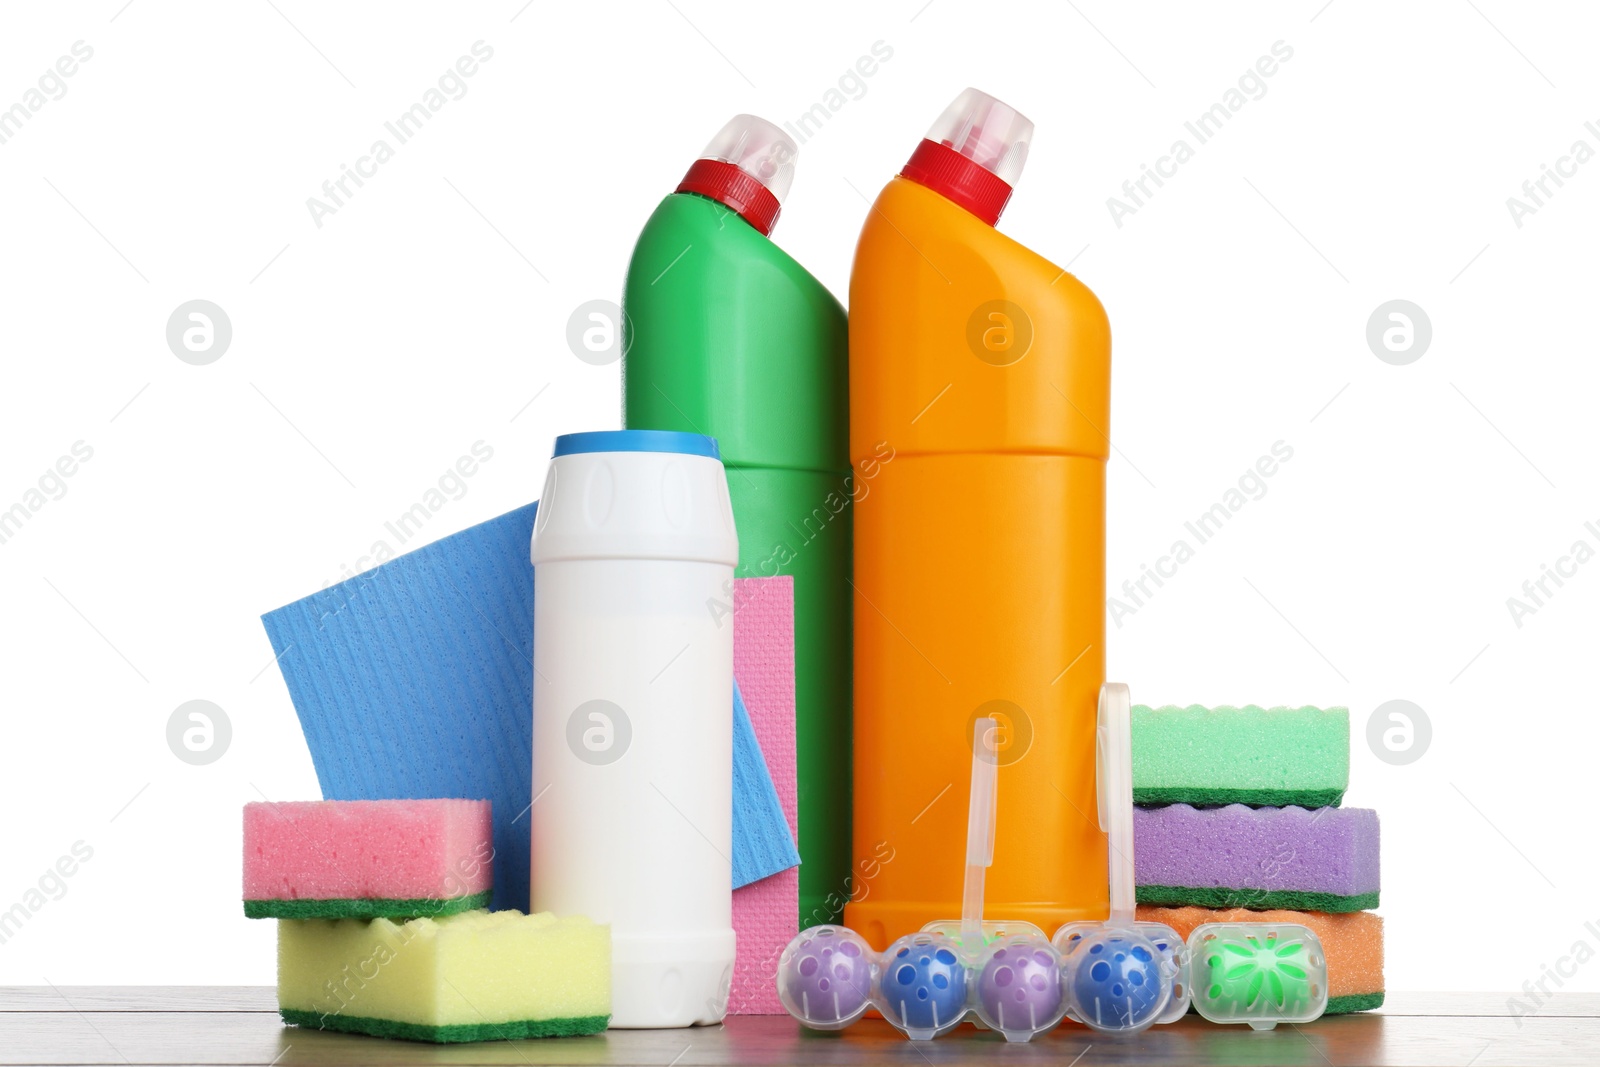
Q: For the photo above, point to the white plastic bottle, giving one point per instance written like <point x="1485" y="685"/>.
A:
<point x="633" y="548"/>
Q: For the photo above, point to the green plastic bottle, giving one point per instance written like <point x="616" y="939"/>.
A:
<point x="730" y="337"/>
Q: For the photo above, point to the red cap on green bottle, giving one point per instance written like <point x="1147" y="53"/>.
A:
<point x="749" y="166"/>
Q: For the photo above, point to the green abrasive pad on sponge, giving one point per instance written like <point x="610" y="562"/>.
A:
<point x="362" y="908"/>
<point x="514" y="1030"/>
<point x="1263" y="757"/>
<point x="1271" y="899"/>
<point x="1354" y="1002"/>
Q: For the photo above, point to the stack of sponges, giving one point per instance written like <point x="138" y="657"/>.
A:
<point x="381" y="928"/>
<point x="1238" y="819"/>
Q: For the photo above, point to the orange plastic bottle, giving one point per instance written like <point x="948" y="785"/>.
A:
<point x="979" y="404"/>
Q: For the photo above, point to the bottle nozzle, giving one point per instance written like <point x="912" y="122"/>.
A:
<point x="749" y="166"/>
<point x="974" y="154"/>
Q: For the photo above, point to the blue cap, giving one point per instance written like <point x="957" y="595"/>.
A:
<point x="688" y="444"/>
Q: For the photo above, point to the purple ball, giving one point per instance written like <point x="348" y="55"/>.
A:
<point x="1020" y="986"/>
<point x="825" y="976"/>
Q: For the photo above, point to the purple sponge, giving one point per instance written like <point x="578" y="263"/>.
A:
<point x="1237" y="857"/>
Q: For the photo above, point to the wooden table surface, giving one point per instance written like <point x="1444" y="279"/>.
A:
<point x="138" y="1025"/>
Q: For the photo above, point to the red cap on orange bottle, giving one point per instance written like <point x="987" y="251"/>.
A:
<point x="973" y="154"/>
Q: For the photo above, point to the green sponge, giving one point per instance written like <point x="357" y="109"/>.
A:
<point x="1264" y="757"/>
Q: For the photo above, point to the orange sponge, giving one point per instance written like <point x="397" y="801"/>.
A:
<point x="1353" y="943"/>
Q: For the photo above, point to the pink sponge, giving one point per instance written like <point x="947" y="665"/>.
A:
<point x="336" y="859"/>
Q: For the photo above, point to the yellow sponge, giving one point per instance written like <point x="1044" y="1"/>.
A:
<point x="474" y="976"/>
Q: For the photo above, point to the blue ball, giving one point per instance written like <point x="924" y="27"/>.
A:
<point x="924" y="983"/>
<point x="1116" y="982"/>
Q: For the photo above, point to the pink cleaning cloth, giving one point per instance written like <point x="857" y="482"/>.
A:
<point x="766" y="914"/>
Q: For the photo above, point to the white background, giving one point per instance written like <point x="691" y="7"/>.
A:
<point x="425" y="315"/>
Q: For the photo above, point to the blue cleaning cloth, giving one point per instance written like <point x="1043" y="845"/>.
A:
<point x="415" y="680"/>
<point x="762" y="844"/>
